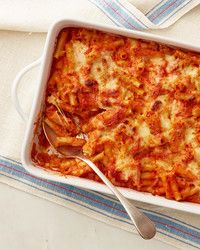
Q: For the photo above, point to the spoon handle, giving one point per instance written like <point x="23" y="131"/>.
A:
<point x="143" y="224"/>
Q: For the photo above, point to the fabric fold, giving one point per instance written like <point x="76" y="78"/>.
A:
<point x="176" y="228"/>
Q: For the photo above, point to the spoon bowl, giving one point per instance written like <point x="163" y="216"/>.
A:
<point x="142" y="223"/>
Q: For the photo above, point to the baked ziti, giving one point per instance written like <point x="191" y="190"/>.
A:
<point x="137" y="102"/>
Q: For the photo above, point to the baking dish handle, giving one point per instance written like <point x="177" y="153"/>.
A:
<point x="15" y="85"/>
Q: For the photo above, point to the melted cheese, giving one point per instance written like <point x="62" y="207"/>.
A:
<point x="164" y="165"/>
<point x="172" y="62"/>
<point x="191" y="71"/>
<point x="197" y="154"/>
<point x="144" y="130"/>
<point x="165" y="121"/>
<point x="189" y="135"/>
<point x="194" y="168"/>
<point x="111" y="84"/>
<point x="158" y="61"/>
<point x="123" y="164"/>
<point x="144" y="133"/>
<point x="79" y="50"/>
<point x="131" y="97"/>
<point x="170" y="81"/>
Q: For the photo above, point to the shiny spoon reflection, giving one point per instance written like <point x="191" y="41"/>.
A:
<point x="142" y="223"/>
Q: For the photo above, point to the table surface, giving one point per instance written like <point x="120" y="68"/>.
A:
<point x="29" y="223"/>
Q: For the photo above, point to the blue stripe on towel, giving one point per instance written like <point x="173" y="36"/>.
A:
<point x="121" y="16"/>
<point x="100" y="202"/>
<point x="171" y="15"/>
<point x="118" y="14"/>
<point x="106" y="215"/>
<point x="166" y="9"/>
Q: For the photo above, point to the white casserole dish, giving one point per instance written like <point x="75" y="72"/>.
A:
<point x="45" y="62"/>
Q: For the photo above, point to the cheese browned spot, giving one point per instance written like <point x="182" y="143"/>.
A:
<point x="139" y="104"/>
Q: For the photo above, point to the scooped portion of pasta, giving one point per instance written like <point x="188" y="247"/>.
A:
<point x="138" y="105"/>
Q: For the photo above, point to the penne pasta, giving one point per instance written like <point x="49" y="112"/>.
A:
<point x="72" y="141"/>
<point x="136" y="106"/>
<point x="60" y="48"/>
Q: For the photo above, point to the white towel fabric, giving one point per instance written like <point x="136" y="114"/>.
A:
<point x="19" y="49"/>
<point x="37" y="15"/>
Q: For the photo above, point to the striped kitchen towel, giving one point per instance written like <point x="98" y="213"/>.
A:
<point x="179" y="229"/>
<point x="162" y="15"/>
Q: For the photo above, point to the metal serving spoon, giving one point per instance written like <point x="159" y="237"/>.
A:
<point x="143" y="224"/>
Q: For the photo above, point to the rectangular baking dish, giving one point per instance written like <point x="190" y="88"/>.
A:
<point x="37" y="108"/>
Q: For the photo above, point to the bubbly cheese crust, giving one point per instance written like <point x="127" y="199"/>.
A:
<point x="138" y="103"/>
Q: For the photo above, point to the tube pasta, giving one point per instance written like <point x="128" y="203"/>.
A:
<point x="137" y="102"/>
